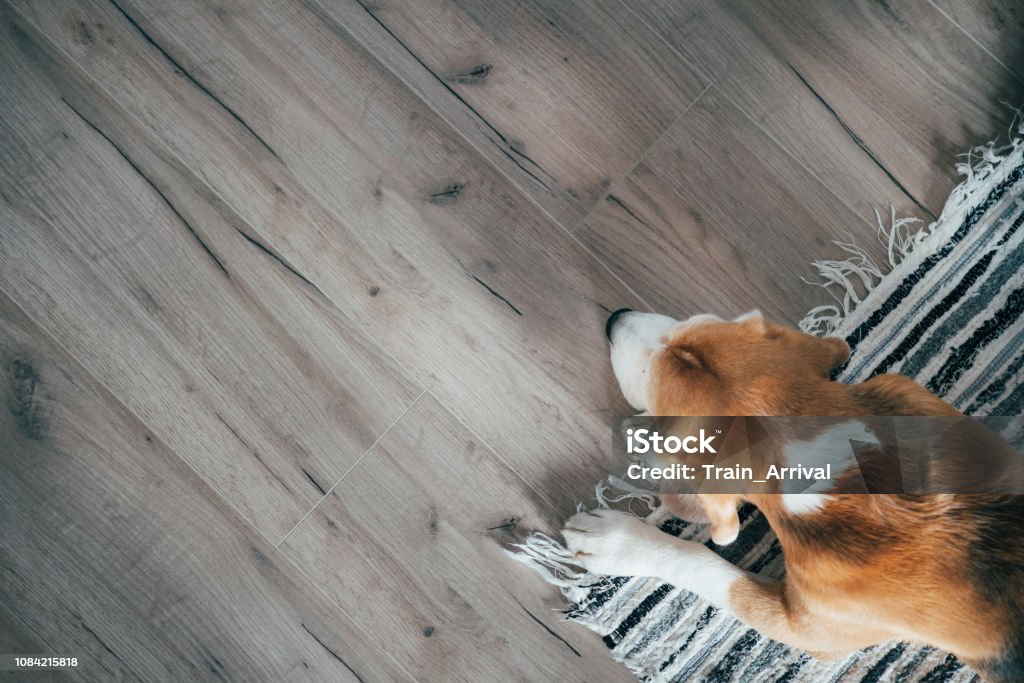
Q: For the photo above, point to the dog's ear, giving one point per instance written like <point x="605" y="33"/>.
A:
<point x="830" y="353"/>
<point x="754" y="320"/>
<point x="687" y="357"/>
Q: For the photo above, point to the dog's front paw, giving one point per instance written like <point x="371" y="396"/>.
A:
<point x="614" y="543"/>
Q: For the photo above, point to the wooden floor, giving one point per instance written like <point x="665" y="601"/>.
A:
<point x="301" y="303"/>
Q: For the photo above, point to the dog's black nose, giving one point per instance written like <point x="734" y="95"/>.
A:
<point x="612" y="319"/>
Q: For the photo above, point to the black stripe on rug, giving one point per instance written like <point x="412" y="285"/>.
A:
<point x="722" y="673"/>
<point x="599" y="594"/>
<point x="996" y="388"/>
<point x="772" y="553"/>
<point x="701" y="656"/>
<point x="977" y="306"/>
<point x="637" y="615"/>
<point x="874" y="674"/>
<point x="793" y="669"/>
<point x="911" y="667"/>
<point x="944" y="671"/>
<point x="1011" y="405"/>
<point x="750" y="535"/>
<point x="937" y="311"/>
<point x="702" y="622"/>
<point x="911" y="280"/>
<point x="1004" y="272"/>
<point x="774" y="654"/>
<point x="680" y="604"/>
<point x="962" y="358"/>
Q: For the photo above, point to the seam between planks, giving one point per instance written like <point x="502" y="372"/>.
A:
<point x="977" y="42"/>
<point x="351" y="468"/>
<point x="622" y="178"/>
<point x="352" y="622"/>
<point x="323" y="15"/>
<point x="756" y="124"/>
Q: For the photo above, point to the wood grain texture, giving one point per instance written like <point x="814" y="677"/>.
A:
<point x="410" y="233"/>
<point x="172" y="301"/>
<point x="876" y="98"/>
<point x="563" y="97"/>
<point x="115" y="549"/>
<point x="997" y="26"/>
<point x="412" y="544"/>
<point x="712" y="221"/>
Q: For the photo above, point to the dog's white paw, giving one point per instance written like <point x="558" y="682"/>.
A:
<point x="618" y="544"/>
<point x="615" y="543"/>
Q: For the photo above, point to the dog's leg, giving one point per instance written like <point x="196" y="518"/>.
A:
<point x="619" y="544"/>
<point x="721" y="511"/>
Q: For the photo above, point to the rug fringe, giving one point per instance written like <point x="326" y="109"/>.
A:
<point x="553" y="561"/>
<point x="851" y="280"/>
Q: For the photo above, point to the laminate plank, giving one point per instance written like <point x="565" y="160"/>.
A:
<point x="412" y="542"/>
<point x="710" y="221"/>
<point x="997" y="25"/>
<point x="114" y="549"/>
<point x="410" y="233"/>
<point x="172" y="300"/>
<point x="563" y="96"/>
<point x="877" y="99"/>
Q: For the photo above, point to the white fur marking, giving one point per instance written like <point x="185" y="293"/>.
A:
<point x="635" y="339"/>
<point x="803" y="503"/>
<point x="831" y="447"/>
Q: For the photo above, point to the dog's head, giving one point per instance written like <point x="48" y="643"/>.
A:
<point x="705" y="365"/>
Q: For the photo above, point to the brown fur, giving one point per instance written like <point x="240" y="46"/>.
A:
<point x="944" y="570"/>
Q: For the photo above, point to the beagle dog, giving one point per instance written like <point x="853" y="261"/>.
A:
<point x="945" y="570"/>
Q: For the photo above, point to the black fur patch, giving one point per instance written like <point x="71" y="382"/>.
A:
<point x="995" y="559"/>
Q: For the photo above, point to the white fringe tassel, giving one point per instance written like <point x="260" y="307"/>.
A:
<point x="555" y="562"/>
<point x="852" y="280"/>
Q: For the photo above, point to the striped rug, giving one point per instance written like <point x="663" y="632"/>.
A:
<point x="947" y="311"/>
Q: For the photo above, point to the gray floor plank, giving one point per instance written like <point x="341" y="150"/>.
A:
<point x="157" y="288"/>
<point x="475" y="291"/>
<point x="412" y="544"/>
<point x="998" y="26"/>
<point x="562" y="96"/>
<point x="710" y="221"/>
<point x="115" y="549"/>
<point x="877" y="99"/>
